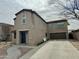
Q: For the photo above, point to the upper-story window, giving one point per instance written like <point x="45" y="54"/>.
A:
<point x="60" y="25"/>
<point x="23" y="19"/>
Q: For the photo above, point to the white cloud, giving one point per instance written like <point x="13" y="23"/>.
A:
<point x="12" y="7"/>
<point x="8" y="8"/>
<point x="32" y="4"/>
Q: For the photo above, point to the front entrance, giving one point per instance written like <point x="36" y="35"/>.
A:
<point x="23" y="37"/>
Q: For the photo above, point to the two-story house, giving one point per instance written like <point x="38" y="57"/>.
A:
<point x="30" y="28"/>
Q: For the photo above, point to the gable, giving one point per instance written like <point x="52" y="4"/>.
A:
<point x="29" y="10"/>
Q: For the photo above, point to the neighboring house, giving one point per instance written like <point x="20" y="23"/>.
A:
<point x="30" y="28"/>
<point x="75" y="34"/>
<point x="5" y="31"/>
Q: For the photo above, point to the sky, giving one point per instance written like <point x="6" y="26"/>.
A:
<point x="47" y="9"/>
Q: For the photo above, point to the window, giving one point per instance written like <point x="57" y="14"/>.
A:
<point x="46" y="34"/>
<point x="23" y="20"/>
<point x="14" y="34"/>
<point x="58" y="25"/>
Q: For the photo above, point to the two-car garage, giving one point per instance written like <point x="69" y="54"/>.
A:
<point x="58" y="35"/>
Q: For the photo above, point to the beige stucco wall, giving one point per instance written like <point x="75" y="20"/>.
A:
<point x="0" y="29"/>
<point x="34" y="25"/>
<point x="19" y="26"/>
<point x="1" y="32"/>
<point x="11" y="34"/>
<point x="39" y="30"/>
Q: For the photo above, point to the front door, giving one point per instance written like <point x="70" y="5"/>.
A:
<point x="23" y="37"/>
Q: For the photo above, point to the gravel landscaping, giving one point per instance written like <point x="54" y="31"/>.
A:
<point x="3" y="51"/>
<point x="17" y="51"/>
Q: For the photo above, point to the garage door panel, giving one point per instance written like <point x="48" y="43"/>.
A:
<point x="57" y="35"/>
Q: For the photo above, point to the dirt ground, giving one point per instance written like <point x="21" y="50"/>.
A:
<point x="75" y="43"/>
<point x="3" y="51"/>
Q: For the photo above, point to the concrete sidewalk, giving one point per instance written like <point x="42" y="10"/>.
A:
<point x="57" y="50"/>
<point x="30" y="53"/>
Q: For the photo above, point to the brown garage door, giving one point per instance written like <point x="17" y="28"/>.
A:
<point x="57" y="35"/>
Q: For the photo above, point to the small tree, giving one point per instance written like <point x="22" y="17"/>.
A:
<point x="70" y="7"/>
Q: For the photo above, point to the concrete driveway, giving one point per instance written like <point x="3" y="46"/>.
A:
<point x="57" y="50"/>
